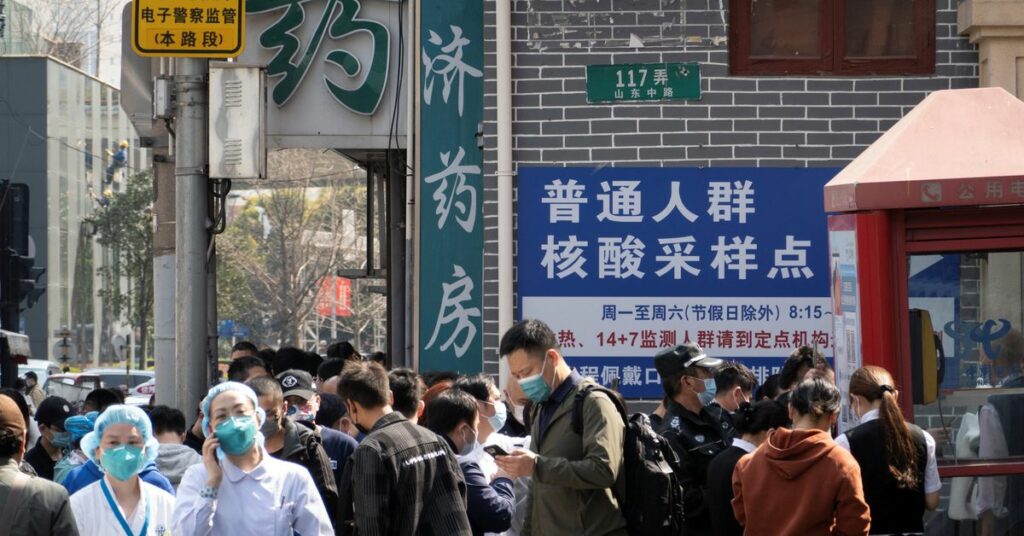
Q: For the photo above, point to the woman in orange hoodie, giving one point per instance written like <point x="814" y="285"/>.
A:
<point x="800" y="483"/>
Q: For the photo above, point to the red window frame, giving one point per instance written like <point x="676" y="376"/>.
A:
<point x="832" y="45"/>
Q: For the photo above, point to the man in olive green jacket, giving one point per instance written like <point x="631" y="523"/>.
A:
<point x="573" y="477"/>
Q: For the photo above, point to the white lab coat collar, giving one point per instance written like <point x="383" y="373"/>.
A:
<point x="235" y="474"/>
<point x="743" y="444"/>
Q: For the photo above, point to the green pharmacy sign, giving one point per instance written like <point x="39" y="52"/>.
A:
<point x="640" y="82"/>
<point x="451" y="93"/>
<point x="334" y="79"/>
<point x="338" y="21"/>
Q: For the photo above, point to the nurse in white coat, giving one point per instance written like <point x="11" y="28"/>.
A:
<point x="239" y="489"/>
<point x="120" y="503"/>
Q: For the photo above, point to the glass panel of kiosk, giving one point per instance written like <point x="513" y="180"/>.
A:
<point x="967" y="353"/>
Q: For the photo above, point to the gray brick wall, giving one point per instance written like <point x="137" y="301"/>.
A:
<point x="740" y="121"/>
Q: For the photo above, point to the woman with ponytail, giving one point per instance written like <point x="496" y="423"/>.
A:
<point x="897" y="459"/>
<point x="752" y="424"/>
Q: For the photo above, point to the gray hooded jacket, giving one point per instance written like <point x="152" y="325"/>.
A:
<point x="173" y="459"/>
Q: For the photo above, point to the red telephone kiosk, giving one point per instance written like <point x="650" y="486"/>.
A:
<point x="926" y="237"/>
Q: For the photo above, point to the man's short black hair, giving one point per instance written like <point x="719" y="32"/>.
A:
<point x="103" y="398"/>
<point x="332" y="409"/>
<point x="343" y="350"/>
<point x="312" y="363"/>
<point x="10" y="443"/>
<point x="289" y="358"/>
<point x="245" y="346"/>
<point x="32" y="374"/>
<point x="769" y="389"/>
<point x="533" y="336"/>
<point x="449" y="409"/>
<point x="365" y="383"/>
<point x="732" y="374"/>
<point x="238" y="370"/>
<point x="330" y="368"/>
<point x="434" y="377"/>
<point x="406" y="391"/>
<point x="477" y="385"/>
<point x="167" y="419"/>
<point x="801" y="358"/>
<point x="267" y="386"/>
<point x="268" y="355"/>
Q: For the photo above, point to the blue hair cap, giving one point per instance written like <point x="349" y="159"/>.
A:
<point x="222" y="388"/>
<point x="121" y="414"/>
<point x="79" y="425"/>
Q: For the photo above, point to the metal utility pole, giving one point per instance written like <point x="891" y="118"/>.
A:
<point x="192" y="240"/>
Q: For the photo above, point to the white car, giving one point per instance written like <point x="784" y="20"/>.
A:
<point x="119" y="379"/>
<point x="43" y="369"/>
<point x="141" y="394"/>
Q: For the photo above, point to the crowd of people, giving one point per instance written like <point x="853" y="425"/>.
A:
<point x="292" y="443"/>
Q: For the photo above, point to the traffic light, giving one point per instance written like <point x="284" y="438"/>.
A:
<point x="24" y="277"/>
<point x="19" y="277"/>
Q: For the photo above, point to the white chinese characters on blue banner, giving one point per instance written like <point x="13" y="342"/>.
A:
<point x="623" y="262"/>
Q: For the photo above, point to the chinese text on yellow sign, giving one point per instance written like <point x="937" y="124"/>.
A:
<point x="191" y="28"/>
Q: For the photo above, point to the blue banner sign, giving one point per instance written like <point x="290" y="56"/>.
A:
<point x="623" y="262"/>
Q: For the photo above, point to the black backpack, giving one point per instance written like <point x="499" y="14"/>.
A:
<point x="653" y="502"/>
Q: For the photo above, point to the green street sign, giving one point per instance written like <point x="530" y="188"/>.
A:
<point x="639" y="82"/>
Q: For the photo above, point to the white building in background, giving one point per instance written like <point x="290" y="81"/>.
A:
<point x="55" y="132"/>
<point x="85" y="34"/>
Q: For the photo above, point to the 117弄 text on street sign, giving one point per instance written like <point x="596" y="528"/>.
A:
<point x="188" y="28"/>
<point x="640" y="82"/>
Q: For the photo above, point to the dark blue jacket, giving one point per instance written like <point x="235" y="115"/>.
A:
<point x="489" y="505"/>
<point x="86" y="474"/>
<point x="339" y="446"/>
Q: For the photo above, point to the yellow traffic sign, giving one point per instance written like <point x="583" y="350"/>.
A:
<point x="189" y="28"/>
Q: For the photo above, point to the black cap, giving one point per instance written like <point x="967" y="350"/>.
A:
<point x="53" y="410"/>
<point x="672" y="361"/>
<point x="296" y="383"/>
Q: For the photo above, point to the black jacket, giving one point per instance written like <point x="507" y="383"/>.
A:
<point x="403" y="480"/>
<point x="302" y="445"/>
<point x="719" y="494"/>
<point x="40" y="461"/>
<point x="696" y="439"/>
<point x="724" y="417"/>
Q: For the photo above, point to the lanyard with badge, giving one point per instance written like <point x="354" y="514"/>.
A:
<point x="117" y="510"/>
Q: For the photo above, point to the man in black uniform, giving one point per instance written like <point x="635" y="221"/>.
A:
<point x="695" y="433"/>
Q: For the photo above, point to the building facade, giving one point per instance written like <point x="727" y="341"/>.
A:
<point x="752" y="113"/>
<point x="57" y="125"/>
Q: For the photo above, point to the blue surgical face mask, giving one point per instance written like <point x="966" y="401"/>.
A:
<point x="123" y="462"/>
<point x="469" y="446"/>
<point x="61" y="440"/>
<point x="709" y="391"/>
<point x="237" y="435"/>
<point x="500" y="416"/>
<point x="534" y="387"/>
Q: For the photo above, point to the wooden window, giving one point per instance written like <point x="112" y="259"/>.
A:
<point x="831" y="37"/>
